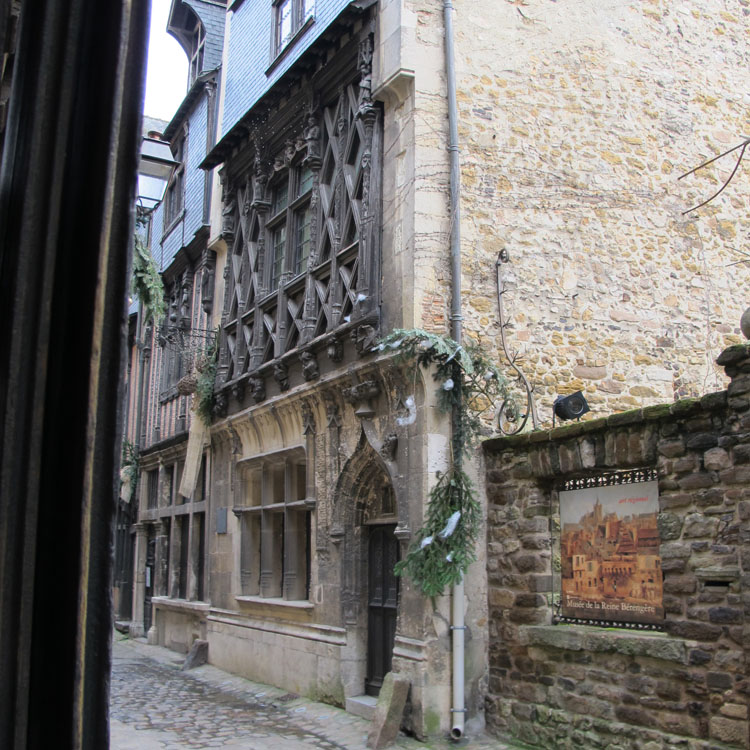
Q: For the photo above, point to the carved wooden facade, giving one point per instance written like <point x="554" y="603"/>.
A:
<point x="302" y="223"/>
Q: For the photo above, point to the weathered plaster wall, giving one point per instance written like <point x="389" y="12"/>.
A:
<point x="567" y="686"/>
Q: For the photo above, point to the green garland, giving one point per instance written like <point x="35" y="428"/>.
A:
<point x="147" y="284"/>
<point x="469" y="384"/>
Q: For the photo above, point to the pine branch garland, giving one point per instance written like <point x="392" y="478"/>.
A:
<point x="468" y="384"/>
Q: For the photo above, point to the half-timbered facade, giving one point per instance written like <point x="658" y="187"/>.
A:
<point x="328" y="225"/>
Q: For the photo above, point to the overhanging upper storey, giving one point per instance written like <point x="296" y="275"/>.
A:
<point x="272" y="43"/>
<point x="302" y="224"/>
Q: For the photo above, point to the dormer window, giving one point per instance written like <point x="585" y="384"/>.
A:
<point x="197" y="46"/>
<point x="290" y="17"/>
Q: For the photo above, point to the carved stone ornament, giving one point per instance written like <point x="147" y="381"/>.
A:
<point x="207" y="282"/>
<point x="238" y="391"/>
<point x="257" y="389"/>
<point x="335" y="349"/>
<point x="281" y="374"/>
<point x="312" y="142"/>
<point x="310" y="370"/>
<point x="389" y="447"/>
<point x="260" y="179"/>
<point x="227" y="215"/>
<point x="308" y="419"/>
<point x="364" y="338"/>
<point x="333" y="414"/>
<point x="360" y="396"/>
<point x="221" y="404"/>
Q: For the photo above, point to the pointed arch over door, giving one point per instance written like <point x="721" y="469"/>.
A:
<point x="365" y="514"/>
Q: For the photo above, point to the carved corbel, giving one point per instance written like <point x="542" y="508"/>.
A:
<point x="221" y="404"/>
<point x="361" y="396"/>
<point x="281" y="375"/>
<point x="335" y="349"/>
<point x="364" y="338"/>
<point x="310" y="370"/>
<point x="238" y="391"/>
<point x="258" y="389"/>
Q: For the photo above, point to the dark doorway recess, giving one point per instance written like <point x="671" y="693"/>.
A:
<point x="382" y="605"/>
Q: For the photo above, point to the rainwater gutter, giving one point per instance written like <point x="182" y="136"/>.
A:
<point x="458" y="628"/>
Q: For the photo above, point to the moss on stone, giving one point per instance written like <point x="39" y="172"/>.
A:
<point x="567" y="431"/>
<point x="431" y="722"/>
<point x="625" y="417"/>
<point x="658" y="411"/>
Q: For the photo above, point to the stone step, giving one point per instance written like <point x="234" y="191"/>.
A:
<point x="362" y="705"/>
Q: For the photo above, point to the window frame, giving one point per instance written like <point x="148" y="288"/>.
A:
<point x="174" y="195"/>
<point x="197" y="50"/>
<point x="275" y="524"/>
<point x="182" y="575"/>
<point x="301" y="17"/>
<point x="286" y="261"/>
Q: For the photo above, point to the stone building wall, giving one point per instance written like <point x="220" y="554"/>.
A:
<point x="575" y="121"/>
<point x="571" y="685"/>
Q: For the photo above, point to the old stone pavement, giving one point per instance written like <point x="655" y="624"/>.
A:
<point x="156" y="706"/>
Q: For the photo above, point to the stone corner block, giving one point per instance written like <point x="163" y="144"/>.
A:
<point x="389" y="711"/>
<point x="197" y="656"/>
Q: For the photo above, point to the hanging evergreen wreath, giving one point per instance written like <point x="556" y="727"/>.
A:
<point x="468" y="385"/>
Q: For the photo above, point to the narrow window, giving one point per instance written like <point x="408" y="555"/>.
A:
<point x="289" y="17"/>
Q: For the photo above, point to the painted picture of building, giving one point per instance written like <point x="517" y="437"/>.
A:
<point x="609" y="550"/>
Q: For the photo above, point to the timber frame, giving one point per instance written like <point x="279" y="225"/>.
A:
<point x="283" y="312"/>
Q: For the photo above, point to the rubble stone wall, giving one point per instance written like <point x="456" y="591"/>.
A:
<point x="582" y="686"/>
<point x="575" y="122"/>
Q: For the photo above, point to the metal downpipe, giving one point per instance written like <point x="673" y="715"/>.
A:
<point x="458" y="711"/>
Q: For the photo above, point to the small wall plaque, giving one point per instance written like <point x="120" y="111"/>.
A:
<point x="221" y="520"/>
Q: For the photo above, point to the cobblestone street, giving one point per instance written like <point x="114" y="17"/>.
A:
<point x="155" y="706"/>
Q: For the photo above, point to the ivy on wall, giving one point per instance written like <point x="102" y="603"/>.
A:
<point x="205" y="367"/>
<point x="147" y="283"/>
<point x="469" y="384"/>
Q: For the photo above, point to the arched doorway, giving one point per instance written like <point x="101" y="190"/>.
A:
<point x="365" y="513"/>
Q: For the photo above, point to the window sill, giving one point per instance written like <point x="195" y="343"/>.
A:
<point x="276" y="602"/>
<point x="284" y="51"/>
<point x="172" y="224"/>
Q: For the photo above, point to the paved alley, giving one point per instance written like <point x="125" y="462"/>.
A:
<point x="155" y="706"/>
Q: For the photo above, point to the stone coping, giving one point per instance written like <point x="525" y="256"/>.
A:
<point x="276" y="602"/>
<point x="613" y="640"/>
<point x="679" y="409"/>
<point x="180" y="605"/>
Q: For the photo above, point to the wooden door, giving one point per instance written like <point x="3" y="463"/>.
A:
<point x="382" y="601"/>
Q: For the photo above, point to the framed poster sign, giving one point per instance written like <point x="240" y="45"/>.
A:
<point x="609" y="549"/>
